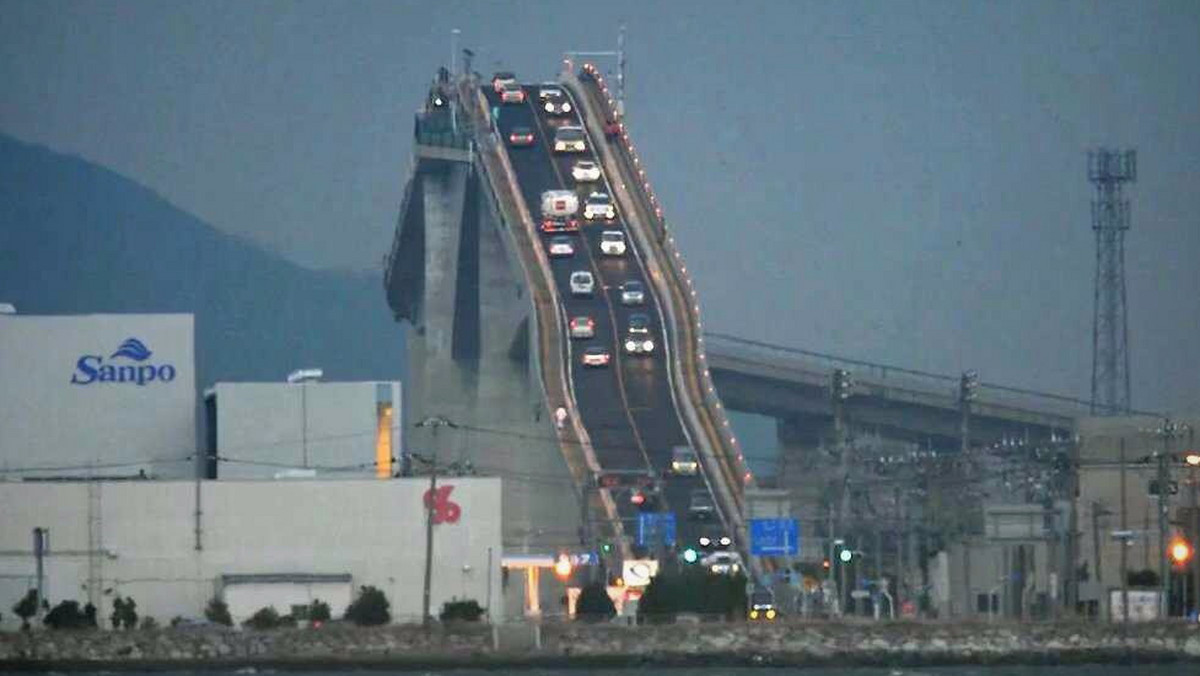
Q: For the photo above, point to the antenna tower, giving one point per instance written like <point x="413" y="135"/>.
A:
<point x="1109" y="170"/>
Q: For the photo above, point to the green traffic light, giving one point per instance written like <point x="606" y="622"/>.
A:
<point x="845" y="555"/>
<point x="606" y="547"/>
<point x="690" y="555"/>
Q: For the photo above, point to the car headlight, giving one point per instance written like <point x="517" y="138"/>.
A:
<point x="648" y="346"/>
<point x="630" y="345"/>
<point x="754" y="614"/>
<point x="770" y="613"/>
<point x="548" y="108"/>
<point x="566" y="107"/>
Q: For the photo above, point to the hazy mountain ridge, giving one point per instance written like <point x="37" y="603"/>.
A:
<point x="78" y="238"/>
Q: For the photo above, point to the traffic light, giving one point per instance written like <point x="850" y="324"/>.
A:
<point x="826" y="564"/>
<point x="606" y="548"/>
<point x="1192" y="458"/>
<point x="638" y="498"/>
<point x="845" y="555"/>
<point x="841" y="384"/>
<point x="967" y="385"/>
<point x="690" y="555"/>
<point x="563" y="567"/>
<point x="1179" y="550"/>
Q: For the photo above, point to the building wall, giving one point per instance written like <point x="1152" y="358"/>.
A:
<point x="118" y="428"/>
<point x="265" y="428"/>
<point x="140" y="539"/>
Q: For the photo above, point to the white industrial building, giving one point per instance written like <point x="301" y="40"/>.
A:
<point x="326" y="429"/>
<point x="103" y="394"/>
<point x="173" y="545"/>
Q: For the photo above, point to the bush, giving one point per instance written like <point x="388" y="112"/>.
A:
<point x="594" y="604"/>
<point x="217" y="612"/>
<point x="318" y="611"/>
<point x="1143" y="578"/>
<point x="693" y="590"/>
<point x="461" y="611"/>
<point x="66" y="615"/>
<point x="267" y="618"/>
<point x="124" y="614"/>
<point x="371" y="608"/>
<point x="149" y="623"/>
<point x="26" y="608"/>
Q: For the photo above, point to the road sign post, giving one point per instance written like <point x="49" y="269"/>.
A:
<point x="774" y="537"/>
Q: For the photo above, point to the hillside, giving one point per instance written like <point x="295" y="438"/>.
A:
<point x="76" y="237"/>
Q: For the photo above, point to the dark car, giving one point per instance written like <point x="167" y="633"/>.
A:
<point x="520" y="137"/>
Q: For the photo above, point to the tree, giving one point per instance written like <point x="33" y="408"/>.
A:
<point x="149" y="623"/>
<point x="66" y="615"/>
<point x="89" y="611"/>
<point x="217" y="612"/>
<point x="124" y="614"/>
<point x="594" y="603"/>
<point x="461" y="611"/>
<point x="318" y="611"/>
<point x="266" y="618"/>
<point x="693" y="590"/>
<point x="371" y="608"/>
<point x="26" y="608"/>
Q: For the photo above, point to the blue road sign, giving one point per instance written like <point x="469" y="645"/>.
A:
<point x="774" y="537"/>
<point x="655" y="529"/>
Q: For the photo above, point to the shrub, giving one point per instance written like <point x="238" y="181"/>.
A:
<point x="266" y="618"/>
<point x="149" y="623"/>
<point x="318" y="611"/>
<point x="124" y="614"/>
<point x="26" y="608"/>
<point x="217" y="612"/>
<point x="66" y="615"/>
<point x="594" y="604"/>
<point x="461" y="611"/>
<point x="370" y="608"/>
<point x="693" y="590"/>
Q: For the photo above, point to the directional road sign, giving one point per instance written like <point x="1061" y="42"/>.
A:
<point x="655" y="528"/>
<point x="774" y="537"/>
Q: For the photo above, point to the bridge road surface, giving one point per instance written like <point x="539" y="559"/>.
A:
<point x="627" y="408"/>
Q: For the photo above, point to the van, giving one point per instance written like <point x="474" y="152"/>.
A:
<point x="557" y="203"/>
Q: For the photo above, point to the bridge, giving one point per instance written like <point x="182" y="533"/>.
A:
<point x="488" y="310"/>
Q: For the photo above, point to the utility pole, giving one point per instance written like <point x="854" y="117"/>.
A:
<point x="436" y="423"/>
<point x="1072" y="591"/>
<point x="968" y="384"/>
<point x="1124" y="543"/>
<point x="1168" y="432"/>
<point x="840" y="388"/>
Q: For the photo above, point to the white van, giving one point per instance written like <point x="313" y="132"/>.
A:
<point x="559" y="203"/>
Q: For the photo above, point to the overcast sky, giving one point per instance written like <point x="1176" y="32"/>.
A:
<point x="896" y="181"/>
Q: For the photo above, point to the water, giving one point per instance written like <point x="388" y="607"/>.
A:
<point x="1175" y="669"/>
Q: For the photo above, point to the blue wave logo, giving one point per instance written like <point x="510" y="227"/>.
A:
<point x="133" y="349"/>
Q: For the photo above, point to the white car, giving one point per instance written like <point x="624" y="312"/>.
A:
<point x="546" y="92"/>
<point x="512" y="92"/>
<point x="570" y="139"/>
<point x="561" y="247"/>
<point x="582" y="283"/>
<point x="596" y="356"/>
<point x="599" y="206"/>
<point x="612" y="243"/>
<point x="555" y="103"/>
<point x="633" y="293"/>
<point x="585" y="171"/>
<point x="582" y="327"/>
<point x="684" y="461"/>
<point x="723" y="563"/>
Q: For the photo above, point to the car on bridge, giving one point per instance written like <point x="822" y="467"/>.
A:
<point x="596" y="357"/>
<point x="633" y="292"/>
<point x="570" y="139"/>
<point x="684" y="461"/>
<point x="521" y="137"/>
<point x="582" y="283"/>
<point x="511" y="92"/>
<point x="502" y="78"/>
<point x="547" y="92"/>
<point x="599" y="206"/>
<point x="639" y="345"/>
<point x="560" y="224"/>
<point x="582" y="327"/>
<point x="612" y="243"/>
<point x="554" y="102"/>
<point x="561" y="247"/>
<point x="701" y="506"/>
<point x="585" y="171"/>
<point x="560" y="203"/>
<point x="723" y="563"/>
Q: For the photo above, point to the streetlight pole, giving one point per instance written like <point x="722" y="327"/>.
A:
<point x="434" y="422"/>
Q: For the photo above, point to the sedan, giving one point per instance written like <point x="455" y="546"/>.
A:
<point x="635" y="344"/>
<point x="639" y="324"/>
<point x="582" y="283"/>
<point x="556" y="104"/>
<point x="596" y="357"/>
<point x="561" y="247"/>
<point x="633" y="293"/>
<point x="612" y="243"/>
<point x="512" y="93"/>
<point x="585" y="171"/>
<point x="599" y="206"/>
<point x="582" y="327"/>
<point x="559" y="224"/>
<point x="520" y="137"/>
<point x="502" y="78"/>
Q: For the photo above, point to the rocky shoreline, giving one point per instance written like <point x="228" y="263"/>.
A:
<point x="581" y="645"/>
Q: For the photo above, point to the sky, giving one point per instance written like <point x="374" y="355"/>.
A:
<point x="898" y="181"/>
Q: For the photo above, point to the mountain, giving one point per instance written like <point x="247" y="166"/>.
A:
<point x="78" y="238"/>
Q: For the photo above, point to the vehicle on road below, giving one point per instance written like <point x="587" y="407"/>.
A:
<point x="599" y="206"/>
<point x="596" y="356"/>
<point x="520" y="137"/>
<point x="633" y="293"/>
<point x="570" y="139"/>
<point x="684" y="461"/>
<point x="723" y="563"/>
<point x="762" y="606"/>
<point x="701" y="506"/>
<point x="582" y="327"/>
<point x="561" y="247"/>
<point x="512" y="92"/>
<point x="612" y="243"/>
<point x="582" y="283"/>
<point x="585" y="171"/>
